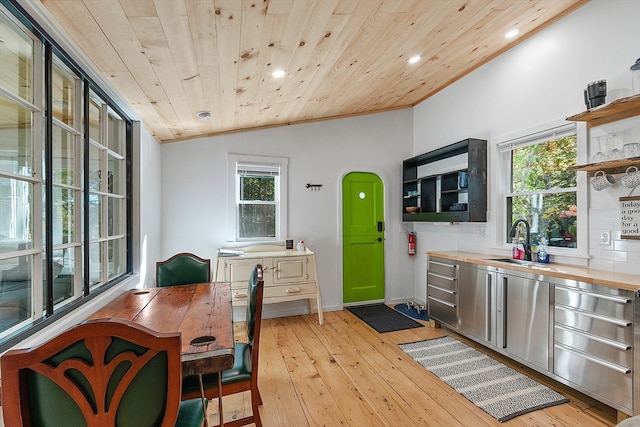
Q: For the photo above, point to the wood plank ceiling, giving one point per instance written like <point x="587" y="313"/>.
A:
<point x="173" y="58"/>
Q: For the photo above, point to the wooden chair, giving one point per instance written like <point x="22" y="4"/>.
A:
<point x="244" y="374"/>
<point x="183" y="269"/>
<point x="98" y="373"/>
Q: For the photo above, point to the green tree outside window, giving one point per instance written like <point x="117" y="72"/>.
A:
<point x="543" y="190"/>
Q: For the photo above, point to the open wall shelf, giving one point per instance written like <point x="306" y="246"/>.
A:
<point x="438" y="196"/>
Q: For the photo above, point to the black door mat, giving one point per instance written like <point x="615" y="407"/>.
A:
<point x="383" y="318"/>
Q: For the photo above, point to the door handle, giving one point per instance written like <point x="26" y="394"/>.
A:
<point x="487" y="332"/>
<point x="380" y="226"/>
<point x="379" y="239"/>
<point x="503" y="343"/>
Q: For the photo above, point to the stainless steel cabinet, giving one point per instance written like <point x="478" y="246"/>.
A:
<point x="506" y="311"/>
<point x="523" y="318"/>
<point x="580" y="334"/>
<point x="442" y="291"/>
<point x="477" y="300"/>
<point x="593" y="341"/>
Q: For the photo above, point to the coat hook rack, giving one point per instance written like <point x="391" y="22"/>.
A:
<point x="314" y="187"/>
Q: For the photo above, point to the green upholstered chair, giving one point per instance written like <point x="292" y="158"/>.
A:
<point x="244" y="374"/>
<point x="183" y="269"/>
<point x="106" y="372"/>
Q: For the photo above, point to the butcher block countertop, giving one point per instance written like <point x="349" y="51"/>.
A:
<point x="630" y="282"/>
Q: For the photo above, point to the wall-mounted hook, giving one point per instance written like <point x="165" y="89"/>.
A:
<point x="314" y="187"/>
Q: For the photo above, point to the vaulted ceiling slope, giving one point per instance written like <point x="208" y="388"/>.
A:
<point x="170" y="59"/>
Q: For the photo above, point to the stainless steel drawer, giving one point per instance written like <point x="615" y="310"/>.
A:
<point x="442" y="267"/>
<point x="443" y="294"/>
<point x="443" y="311"/>
<point x="613" y="303"/>
<point x="605" y="379"/>
<point x="441" y="281"/>
<point x="594" y="345"/>
<point x="596" y="324"/>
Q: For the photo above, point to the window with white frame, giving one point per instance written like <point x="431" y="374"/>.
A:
<point x="541" y="189"/>
<point x="259" y="192"/>
<point x="63" y="182"/>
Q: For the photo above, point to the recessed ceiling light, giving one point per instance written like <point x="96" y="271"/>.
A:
<point x="278" y="73"/>
<point x="511" y="34"/>
<point x="414" y="59"/>
<point x="204" y="115"/>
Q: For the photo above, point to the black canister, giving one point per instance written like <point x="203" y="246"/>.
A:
<point x="596" y="93"/>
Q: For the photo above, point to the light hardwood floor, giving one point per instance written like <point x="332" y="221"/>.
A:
<point x="346" y="374"/>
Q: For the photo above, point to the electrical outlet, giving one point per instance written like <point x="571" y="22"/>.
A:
<point x="605" y="238"/>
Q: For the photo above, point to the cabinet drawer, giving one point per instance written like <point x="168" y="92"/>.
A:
<point x="605" y="379"/>
<point x="292" y="291"/>
<point x="442" y="267"/>
<point x="594" y="345"/>
<point x="442" y="294"/>
<point x="612" y="303"/>
<point x="443" y="311"/>
<point x="596" y="324"/>
<point x="444" y="282"/>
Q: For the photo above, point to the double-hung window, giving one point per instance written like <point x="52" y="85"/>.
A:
<point x="259" y="197"/>
<point x="541" y="189"/>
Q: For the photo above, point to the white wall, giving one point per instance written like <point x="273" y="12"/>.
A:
<point x="150" y="231"/>
<point x="194" y="192"/>
<point x="538" y="82"/>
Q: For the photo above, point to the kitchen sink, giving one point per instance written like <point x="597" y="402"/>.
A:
<point x="532" y="264"/>
<point x="514" y="261"/>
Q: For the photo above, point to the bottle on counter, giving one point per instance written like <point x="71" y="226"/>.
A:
<point x="543" y="253"/>
<point x="515" y="251"/>
<point x="300" y="246"/>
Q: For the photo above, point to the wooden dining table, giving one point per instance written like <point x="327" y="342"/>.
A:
<point x="202" y="313"/>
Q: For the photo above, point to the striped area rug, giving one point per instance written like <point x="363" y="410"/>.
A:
<point x="495" y="388"/>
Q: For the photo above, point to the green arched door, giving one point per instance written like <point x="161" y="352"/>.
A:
<point x="363" y="238"/>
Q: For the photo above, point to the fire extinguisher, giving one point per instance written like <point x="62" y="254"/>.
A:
<point x="412" y="244"/>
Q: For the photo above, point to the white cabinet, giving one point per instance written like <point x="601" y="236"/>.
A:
<point x="288" y="276"/>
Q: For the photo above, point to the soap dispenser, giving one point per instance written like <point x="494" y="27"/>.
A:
<point x="543" y="253"/>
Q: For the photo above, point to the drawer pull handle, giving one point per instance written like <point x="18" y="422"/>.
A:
<point x="240" y="295"/>
<point x="442" y="276"/>
<point x="593" y="359"/>
<point x="293" y="290"/>
<point x="443" y="264"/>
<point x="445" y="290"/>
<point x="442" y="301"/>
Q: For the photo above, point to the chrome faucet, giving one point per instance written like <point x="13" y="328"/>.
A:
<point x="527" y="244"/>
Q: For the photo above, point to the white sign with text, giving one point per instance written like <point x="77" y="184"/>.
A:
<point x="630" y="217"/>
